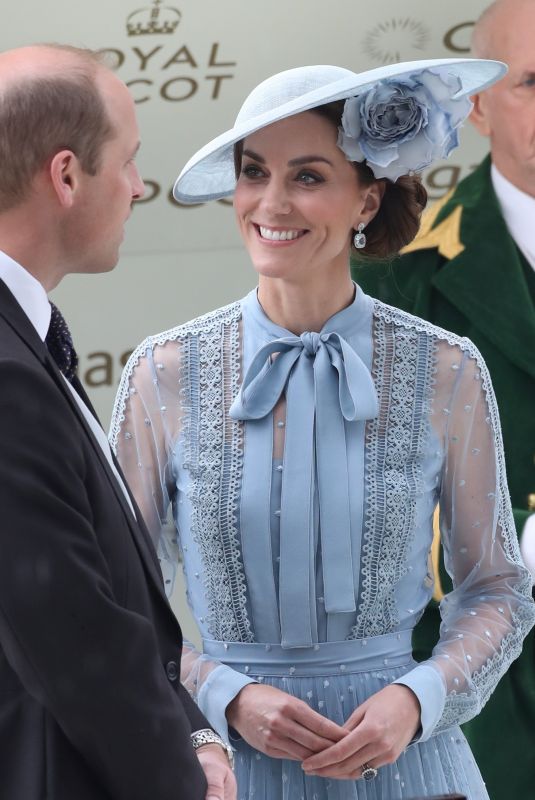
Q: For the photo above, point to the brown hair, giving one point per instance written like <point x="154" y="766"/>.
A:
<point x="39" y="116"/>
<point x="398" y="219"/>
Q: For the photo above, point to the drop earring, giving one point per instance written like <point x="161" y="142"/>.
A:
<point x="359" y="239"/>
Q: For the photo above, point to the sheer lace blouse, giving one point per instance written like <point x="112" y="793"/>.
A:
<point x="423" y="431"/>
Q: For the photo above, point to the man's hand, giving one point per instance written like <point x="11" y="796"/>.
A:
<point x="279" y="725"/>
<point x="220" y="778"/>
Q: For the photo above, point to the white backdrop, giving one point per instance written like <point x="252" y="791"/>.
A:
<point x="189" y="65"/>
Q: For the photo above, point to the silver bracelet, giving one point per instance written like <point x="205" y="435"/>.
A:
<point x="208" y="736"/>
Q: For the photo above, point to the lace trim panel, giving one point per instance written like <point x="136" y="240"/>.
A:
<point x="212" y="444"/>
<point x="214" y="458"/>
<point x="395" y="442"/>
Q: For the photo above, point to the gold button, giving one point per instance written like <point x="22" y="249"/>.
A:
<point x="531" y="502"/>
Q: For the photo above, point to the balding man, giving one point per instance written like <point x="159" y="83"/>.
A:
<point x="472" y="270"/>
<point x="91" y="706"/>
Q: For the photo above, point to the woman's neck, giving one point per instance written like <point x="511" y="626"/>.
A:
<point x="300" y="308"/>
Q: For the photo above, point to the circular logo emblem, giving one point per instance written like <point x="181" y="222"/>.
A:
<point x="398" y="39"/>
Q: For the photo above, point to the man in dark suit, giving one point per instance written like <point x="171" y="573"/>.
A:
<point x="471" y="270"/>
<point x="91" y="706"/>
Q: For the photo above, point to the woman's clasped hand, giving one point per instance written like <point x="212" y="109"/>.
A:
<point x="283" y="726"/>
<point x="280" y="725"/>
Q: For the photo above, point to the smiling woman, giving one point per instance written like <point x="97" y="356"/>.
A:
<point x="397" y="219"/>
<point x="304" y="436"/>
<point x="297" y="200"/>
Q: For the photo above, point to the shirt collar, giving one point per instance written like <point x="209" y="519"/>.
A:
<point x="518" y="209"/>
<point x="349" y="322"/>
<point x="28" y="293"/>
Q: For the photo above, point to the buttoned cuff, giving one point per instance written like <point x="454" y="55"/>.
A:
<point x="218" y="690"/>
<point x="428" y="686"/>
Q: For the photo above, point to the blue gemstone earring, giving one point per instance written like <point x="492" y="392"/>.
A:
<point x="359" y="239"/>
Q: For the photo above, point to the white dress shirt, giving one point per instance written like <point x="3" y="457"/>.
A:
<point x="527" y="545"/>
<point x="28" y="292"/>
<point x="33" y="300"/>
<point x="518" y="209"/>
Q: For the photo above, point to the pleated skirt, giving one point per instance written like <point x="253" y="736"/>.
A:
<point x="338" y="684"/>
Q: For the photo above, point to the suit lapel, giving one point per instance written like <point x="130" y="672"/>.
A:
<point x="137" y="526"/>
<point x="146" y="538"/>
<point x="79" y="388"/>
<point x="486" y="281"/>
<point x="21" y="325"/>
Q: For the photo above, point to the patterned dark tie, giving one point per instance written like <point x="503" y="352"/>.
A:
<point x="59" y="343"/>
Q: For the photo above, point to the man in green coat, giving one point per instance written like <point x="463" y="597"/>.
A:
<point x="471" y="270"/>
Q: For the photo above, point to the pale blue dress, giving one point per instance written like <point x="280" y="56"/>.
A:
<point x="303" y="474"/>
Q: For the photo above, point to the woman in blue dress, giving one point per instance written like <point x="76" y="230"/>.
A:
<point x="305" y="436"/>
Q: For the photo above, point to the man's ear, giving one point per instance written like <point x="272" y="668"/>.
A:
<point x="479" y="114"/>
<point x="64" y="172"/>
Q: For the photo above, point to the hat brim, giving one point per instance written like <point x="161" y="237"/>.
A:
<point x="209" y="174"/>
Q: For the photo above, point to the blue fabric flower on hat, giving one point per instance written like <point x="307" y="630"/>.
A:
<point x="401" y="125"/>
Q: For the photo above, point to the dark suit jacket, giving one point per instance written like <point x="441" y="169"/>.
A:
<point x="465" y="273"/>
<point x="91" y="707"/>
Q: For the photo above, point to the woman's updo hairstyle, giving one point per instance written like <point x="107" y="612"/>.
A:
<point x="398" y="219"/>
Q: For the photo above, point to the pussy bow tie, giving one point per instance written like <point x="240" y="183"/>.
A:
<point x="327" y="384"/>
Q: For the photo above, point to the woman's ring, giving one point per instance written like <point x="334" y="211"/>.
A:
<point x="368" y="773"/>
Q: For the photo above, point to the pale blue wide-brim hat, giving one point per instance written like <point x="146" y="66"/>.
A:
<point x="210" y="175"/>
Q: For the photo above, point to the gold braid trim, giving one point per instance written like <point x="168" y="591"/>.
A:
<point x="446" y="236"/>
<point x="438" y="592"/>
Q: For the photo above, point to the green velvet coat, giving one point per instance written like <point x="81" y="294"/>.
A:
<point x="465" y="273"/>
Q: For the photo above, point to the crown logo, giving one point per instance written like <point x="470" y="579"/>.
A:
<point x="153" y="19"/>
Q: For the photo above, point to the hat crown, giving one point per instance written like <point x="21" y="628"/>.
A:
<point x="287" y="86"/>
<point x="210" y="175"/>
